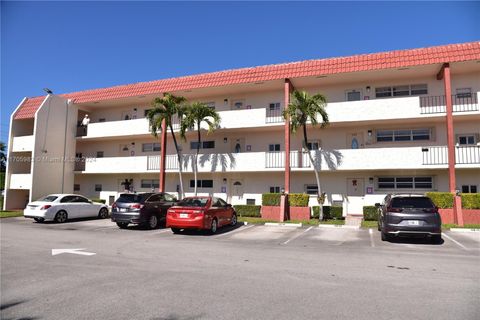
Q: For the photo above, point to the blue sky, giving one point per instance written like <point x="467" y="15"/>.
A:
<point x="71" y="46"/>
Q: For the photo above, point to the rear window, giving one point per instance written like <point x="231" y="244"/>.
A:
<point x="48" y="199"/>
<point x="413" y="202"/>
<point x="133" y="198"/>
<point x="193" y="202"/>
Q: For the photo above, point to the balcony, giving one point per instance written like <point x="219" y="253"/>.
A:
<point x="23" y="144"/>
<point x="437" y="104"/>
<point x="464" y="155"/>
<point x="21" y="181"/>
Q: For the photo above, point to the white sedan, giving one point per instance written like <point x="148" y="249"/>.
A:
<point x="60" y="207"/>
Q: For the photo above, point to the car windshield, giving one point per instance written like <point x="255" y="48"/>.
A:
<point x="193" y="202"/>
<point x="48" y="199"/>
<point x="412" y="202"/>
<point x="133" y="198"/>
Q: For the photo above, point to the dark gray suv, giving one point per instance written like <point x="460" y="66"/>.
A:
<point x="409" y="215"/>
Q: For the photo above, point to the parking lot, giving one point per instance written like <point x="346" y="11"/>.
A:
<point x="242" y="272"/>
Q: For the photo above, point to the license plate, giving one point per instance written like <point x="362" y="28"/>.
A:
<point x="122" y="209"/>
<point x="413" y="222"/>
<point x="183" y="215"/>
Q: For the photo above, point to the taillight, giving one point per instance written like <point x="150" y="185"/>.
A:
<point x="136" y="206"/>
<point x="114" y="205"/>
<point x="198" y="212"/>
<point x="45" y="207"/>
<point x="390" y="209"/>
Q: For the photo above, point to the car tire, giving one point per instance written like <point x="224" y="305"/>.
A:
<point x="39" y="220"/>
<point x="213" y="226"/>
<point x="175" y="230"/>
<point x="122" y="225"/>
<point x="153" y="222"/>
<point x="103" y="213"/>
<point x="61" y="216"/>
<point x="436" y="239"/>
<point x="233" y="223"/>
<point x="378" y="226"/>
<point x="385" y="237"/>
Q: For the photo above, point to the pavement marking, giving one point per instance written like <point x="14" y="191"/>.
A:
<point x="73" y="251"/>
<point x="454" y="241"/>
<point x="159" y="232"/>
<point x="234" y="231"/>
<point x="370" y="231"/>
<point x="298" y="235"/>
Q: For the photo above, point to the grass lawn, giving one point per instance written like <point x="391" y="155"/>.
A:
<point x="311" y="222"/>
<point x="466" y="226"/>
<point x="254" y="220"/>
<point x="331" y="221"/>
<point x="8" y="214"/>
<point x="369" y="224"/>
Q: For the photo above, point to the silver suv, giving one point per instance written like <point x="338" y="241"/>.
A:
<point x="409" y="215"/>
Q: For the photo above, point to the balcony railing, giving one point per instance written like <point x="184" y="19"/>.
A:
<point x="437" y="104"/>
<point x="171" y="162"/>
<point x="439" y="155"/>
<point x="276" y="159"/>
<point x="274" y="115"/>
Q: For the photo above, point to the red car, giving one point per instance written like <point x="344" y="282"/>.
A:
<point x="201" y="213"/>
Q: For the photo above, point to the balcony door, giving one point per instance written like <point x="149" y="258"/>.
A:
<point x="355" y="140"/>
<point x="236" y="189"/>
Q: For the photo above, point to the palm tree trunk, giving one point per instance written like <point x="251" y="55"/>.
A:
<point x="196" y="156"/>
<point x="317" y="176"/>
<point x="179" y="159"/>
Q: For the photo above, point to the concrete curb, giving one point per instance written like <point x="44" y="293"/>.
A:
<point x="465" y="230"/>
<point x="338" y="226"/>
<point x="279" y="224"/>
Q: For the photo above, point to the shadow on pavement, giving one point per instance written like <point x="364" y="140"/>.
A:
<point x="416" y="240"/>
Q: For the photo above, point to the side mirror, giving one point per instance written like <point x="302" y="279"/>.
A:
<point x="229" y="205"/>
<point x="378" y="205"/>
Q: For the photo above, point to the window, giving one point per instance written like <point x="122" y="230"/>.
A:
<point x="274" y="189"/>
<point x="463" y="93"/>
<point x="466" y="139"/>
<point x="98" y="187"/>
<point x="210" y="104"/>
<point x="403" y="135"/>
<point x="68" y="199"/>
<point x="274" y="147"/>
<point x="149" y="147"/>
<point x="401" y="90"/>
<point x="101" y="120"/>
<point x="99" y="154"/>
<point x="251" y="202"/>
<point x="274" y="106"/>
<point x="405" y="183"/>
<point x="80" y="199"/>
<point x="145" y="112"/>
<point x="237" y="104"/>
<point x="311" y="189"/>
<point x="155" y="198"/>
<point x="202" y="183"/>
<point x="469" y="189"/>
<point x="149" y="183"/>
<point x="353" y="95"/>
<point x="313" y="145"/>
<point x="203" y="145"/>
<point x="76" y="187"/>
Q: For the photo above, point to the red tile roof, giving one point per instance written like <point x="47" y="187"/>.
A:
<point x="364" y="62"/>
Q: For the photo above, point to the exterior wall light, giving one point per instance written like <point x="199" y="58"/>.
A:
<point x="225" y="140"/>
<point x="225" y="101"/>
<point x="369" y="133"/>
<point x="368" y="89"/>
<point x="282" y="190"/>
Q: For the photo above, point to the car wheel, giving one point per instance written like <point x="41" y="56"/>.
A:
<point x="61" y="216"/>
<point x="122" y="225"/>
<point x="234" y="220"/>
<point x="378" y="226"/>
<point x="153" y="222"/>
<point x="39" y="220"/>
<point x="437" y="239"/>
<point x="103" y="214"/>
<point x="213" y="226"/>
<point x="385" y="237"/>
<point x="175" y="230"/>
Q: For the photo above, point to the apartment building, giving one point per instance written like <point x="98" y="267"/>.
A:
<point x="400" y="121"/>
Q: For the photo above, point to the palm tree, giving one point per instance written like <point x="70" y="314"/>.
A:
<point x="3" y="157"/>
<point x="195" y="114"/>
<point x="302" y="109"/>
<point x="166" y="108"/>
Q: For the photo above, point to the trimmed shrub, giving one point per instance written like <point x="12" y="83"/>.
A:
<point x="99" y="200"/>
<point x="247" y="210"/>
<point x="298" y="199"/>
<point x="370" y="213"/>
<point x="334" y="212"/>
<point x="471" y="200"/>
<point x="271" y="199"/>
<point x="443" y="200"/>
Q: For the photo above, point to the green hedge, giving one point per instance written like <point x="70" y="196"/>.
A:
<point x="99" y="200"/>
<point x="334" y="212"/>
<point x="370" y="213"/>
<point x="247" y="210"/>
<point x="471" y="200"/>
<point x="442" y="200"/>
<point x="298" y="199"/>
<point x="271" y="199"/>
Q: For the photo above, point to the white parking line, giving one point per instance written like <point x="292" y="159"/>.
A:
<point x="454" y="241"/>
<point x="297" y="235"/>
<point x="370" y="231"/>
<point x="234" y="231"/>
<point x="159" y="232"/>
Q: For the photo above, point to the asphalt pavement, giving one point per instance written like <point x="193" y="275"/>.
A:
<point x="245" y="272"/>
